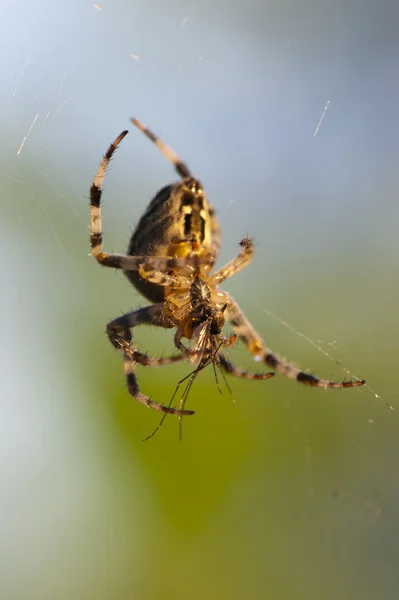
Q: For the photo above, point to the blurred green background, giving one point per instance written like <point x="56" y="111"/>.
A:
<point x="287" y="492"/>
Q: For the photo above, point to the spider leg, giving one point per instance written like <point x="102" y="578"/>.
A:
<point x="256" y="347"/>
<point x="228" y="366"/>
<point x="155" y="275"/>
<point x="148" y="264"/>
<point x="121" y="261"/>
<point x="121" y="337"/>
<point x="96" y="241"/>
<point x="168" y="153"/>
<point x="237" y="264"/>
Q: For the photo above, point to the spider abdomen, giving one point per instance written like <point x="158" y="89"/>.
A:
<point x="178" y="222"/>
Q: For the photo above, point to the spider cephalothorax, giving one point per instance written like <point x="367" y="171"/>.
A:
<point x="170" y="259"/>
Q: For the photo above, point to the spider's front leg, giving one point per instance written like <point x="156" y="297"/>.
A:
<point x="236" y="264"/>
<point x="255" y="345"/>
<point x="150" y="264"/>
<point x="121" y="337"/>
<point x="96" y="236"/>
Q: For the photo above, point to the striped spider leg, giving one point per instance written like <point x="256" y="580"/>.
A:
<point x="120" y="335"/>
<point x="251" y="339"/>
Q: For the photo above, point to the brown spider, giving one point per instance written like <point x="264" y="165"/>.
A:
<point x="169" y="260"/>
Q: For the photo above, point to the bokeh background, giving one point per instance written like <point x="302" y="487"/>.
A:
<point x="287" y="111"/>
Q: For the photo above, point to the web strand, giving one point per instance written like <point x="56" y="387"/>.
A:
<point x="315" y="345"/>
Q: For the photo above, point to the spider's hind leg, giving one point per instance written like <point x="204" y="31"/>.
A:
<point x="120" y="335"/>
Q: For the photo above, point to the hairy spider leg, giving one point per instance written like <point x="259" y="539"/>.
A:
<point x="230" y="368"/>
<point x="257" y="348"/>
<point x="152" y="268"/>
<point x="236" y="264"/>
<point x="96" y="241"/>
<point x="181" y="168"/>
<point x="120" y="335"/>
<point x="253" y="342"/>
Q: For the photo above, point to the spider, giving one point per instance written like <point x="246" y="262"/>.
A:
<point x="169" y="260"/>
